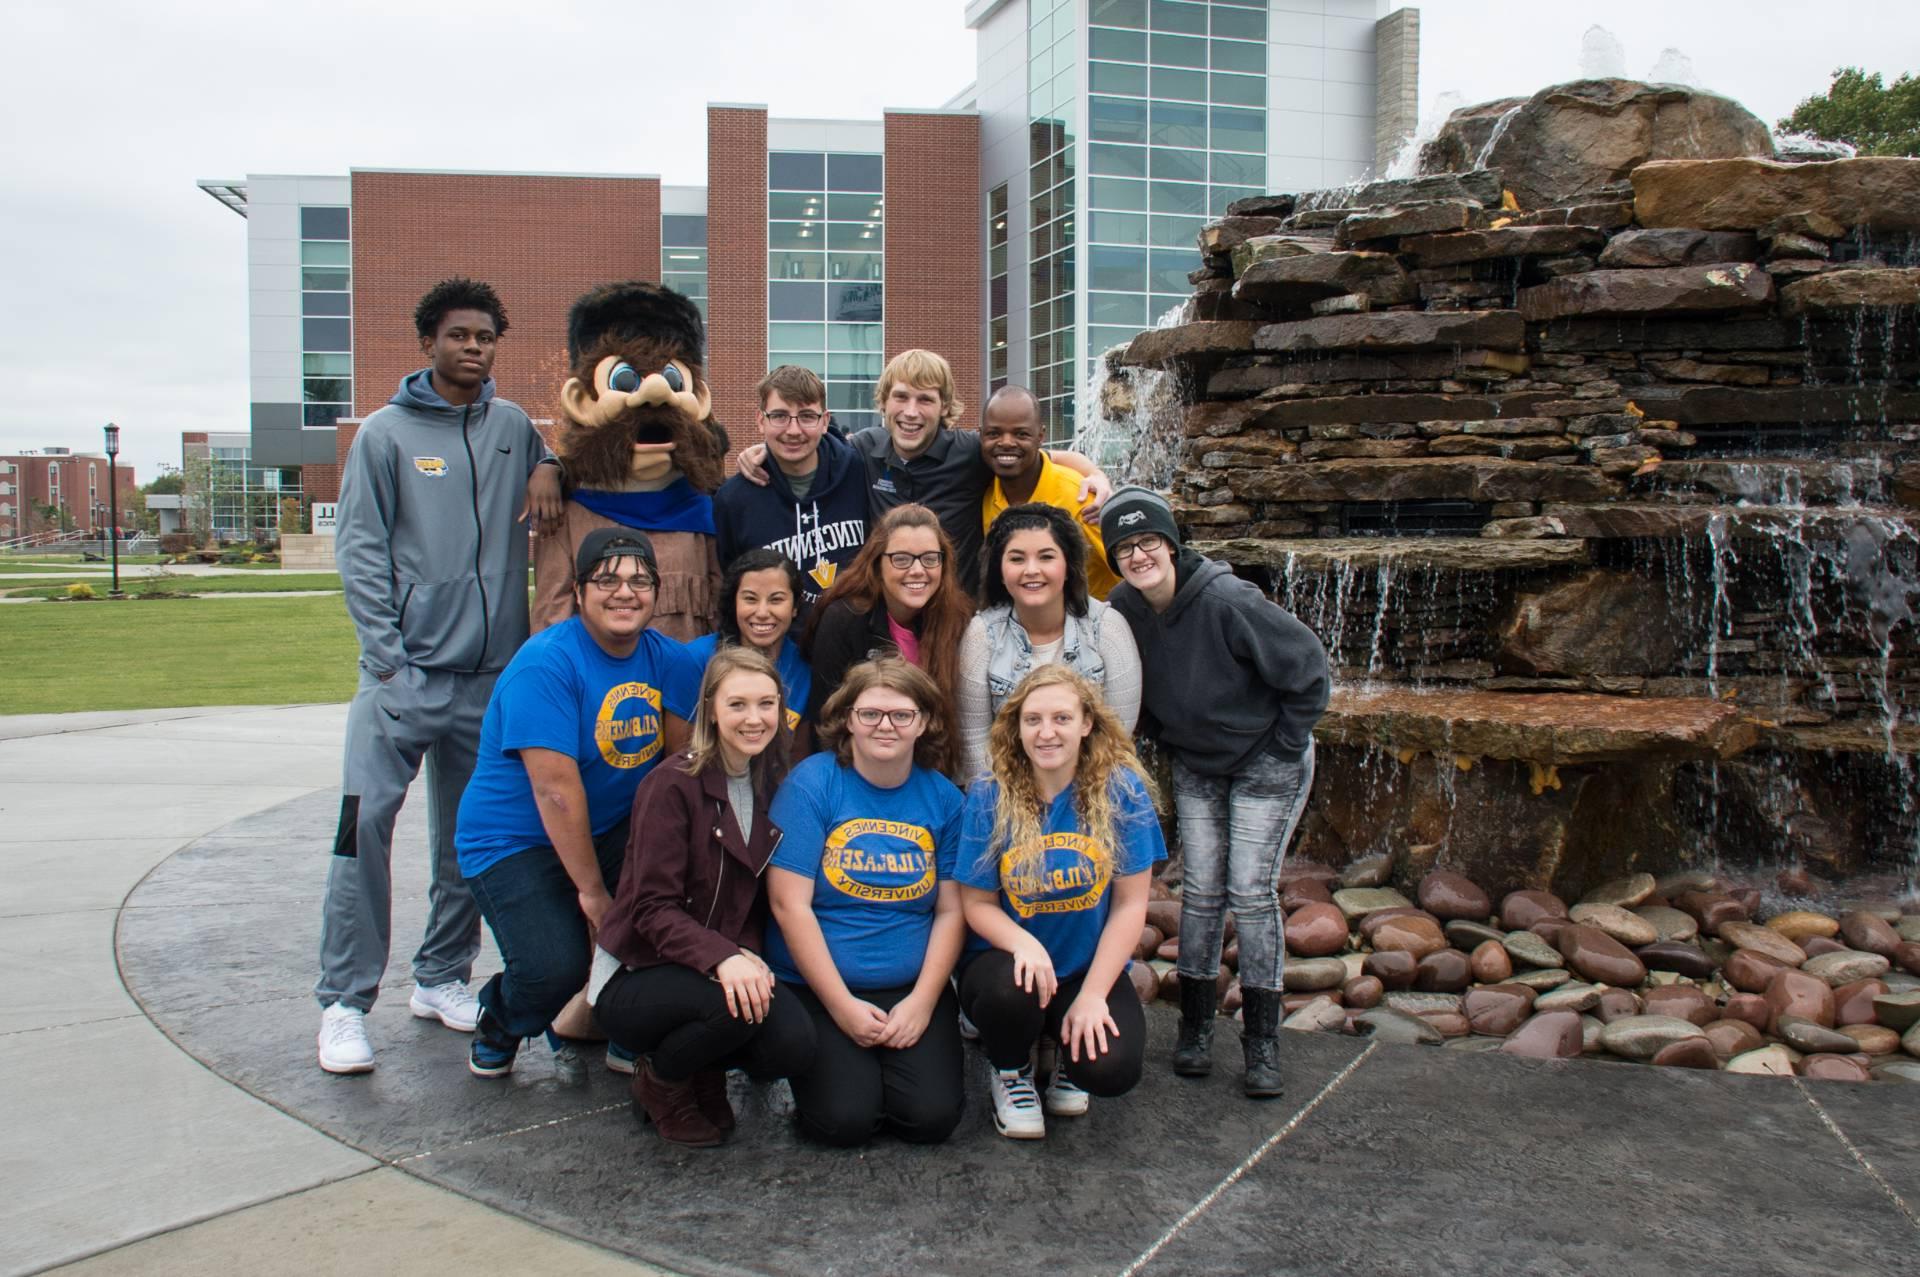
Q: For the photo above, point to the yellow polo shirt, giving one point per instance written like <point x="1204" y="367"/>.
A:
<point x="1058" y="486"/>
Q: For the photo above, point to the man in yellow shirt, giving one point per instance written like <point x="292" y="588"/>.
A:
<point x="1011" y="439"/>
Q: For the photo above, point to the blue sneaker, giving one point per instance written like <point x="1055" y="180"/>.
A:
<point x="493" y="1049"/>
<point x="621" y="1060"/>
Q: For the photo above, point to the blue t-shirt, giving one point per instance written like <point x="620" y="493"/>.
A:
<point x="563" y="692"/>
<point x="876" y="857"/>
<point x="796" y="676"/>
<point x="1058" y="890"/>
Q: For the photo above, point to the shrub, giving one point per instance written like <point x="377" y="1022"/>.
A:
<point x="176" y="543"/>
<point x="80" y="590"/>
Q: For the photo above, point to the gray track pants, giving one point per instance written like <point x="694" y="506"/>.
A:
<point x="417" y="714"/>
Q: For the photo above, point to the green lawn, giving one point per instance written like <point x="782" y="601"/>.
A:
<point x="173" y="652"/>
<point x="250" y="583"/>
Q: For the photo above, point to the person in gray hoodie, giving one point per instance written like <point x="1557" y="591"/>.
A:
<point x="433" y="561"/>
<point x="1233" y="685"/>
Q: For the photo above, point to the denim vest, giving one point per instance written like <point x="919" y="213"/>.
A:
<point x="1010" y="651"/>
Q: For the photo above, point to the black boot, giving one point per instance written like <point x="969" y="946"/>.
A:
<point x="1193" y="1052"/>
<point x="1260" y="1040"/>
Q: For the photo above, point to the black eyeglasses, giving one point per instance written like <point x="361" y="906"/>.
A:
<point x="900" y="718"/>
<point x="1145" y="543"/>
<point x="610" y="584"/>
<point x="780" y="417"/>
<point x="928" y="559"/>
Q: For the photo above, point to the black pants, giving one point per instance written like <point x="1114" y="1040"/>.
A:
<point x="851" y="1091"/>
<point x="678" y="1018"/>
<point x="1011" y="1020"/>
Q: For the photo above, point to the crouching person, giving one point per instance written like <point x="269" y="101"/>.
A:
<point x="677" y="975"/>
<point x="584" y="711"/>
<point x="1055" y="858"/>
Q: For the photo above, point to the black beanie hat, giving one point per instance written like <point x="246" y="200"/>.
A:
<point x="1132" y="510"/>
<point x="602" y="544"/>
<point x="636" y="309"/>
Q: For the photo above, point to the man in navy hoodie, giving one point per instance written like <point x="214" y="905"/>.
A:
<point x="433" y="562"/>
<point x="814" y="507"/>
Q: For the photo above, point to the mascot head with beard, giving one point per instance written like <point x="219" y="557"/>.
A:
<point x="637" y="402"/>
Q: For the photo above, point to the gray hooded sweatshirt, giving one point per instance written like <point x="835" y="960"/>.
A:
<point x="431" y="557"/>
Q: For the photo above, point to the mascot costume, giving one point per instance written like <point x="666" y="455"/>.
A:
<point x="640" y="449"/>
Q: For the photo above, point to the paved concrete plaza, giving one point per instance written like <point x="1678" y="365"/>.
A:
<point x="160" y="875"/>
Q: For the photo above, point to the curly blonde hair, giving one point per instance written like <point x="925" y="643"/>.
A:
<point x="1106" y="757"/>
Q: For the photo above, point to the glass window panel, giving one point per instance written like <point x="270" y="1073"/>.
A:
<point x="1190" y="85"/>
<point x="1167" y="272"/>
<point x="855" y="208"/>
<point x="1041" y="351"/>
<point x="1231" y="55"/>
<point x="1116" y="120"/>
<point x="1124" y="46"/>
<point x="1118" y="13"/>
<point x="1167" y="307"/>
<point x="797" y="336"/>
<point x="328" y="390"/>
<point x="1119" y="228"/>
<point x="997" y="201"/>
<point x="802" y="207"/>
<point x="1120" y="161"/>
<point x="997" y="260"/>
<point x="1104" y="339"/>
<point x="853" y="422"/>
<point x="805" y="358"/>
<point x="324" y="223"/>
<point x="1241" y="90"/>
<point x="323" y="414"/>
<point x="326" y="253"/>
<point x="796" y="265"/>
<point x="1039" y="27"/>
<point x="856" y="235"/>
<point x="854" y="303"/>
<point x="1041" y="207"/>
<point x="997" y="296"/>
<point x="1116" y="308"/>
<point x="1175" y="15"/>
<point x="1037" y="285"/>
<point x="1112" y="192"/>
<point x="855" y="173"/>
<point x="860" y="265"/>
<point x="1238" y="130"/>
<point x="1240" y="24"/>
<point x="1240" y="170"/>
<point x="789" y="235"/>
<point x="327" y="365"/>
<point x="1120" y="270"/>
<point x="1221" y="196"/>
<point x="852" y="364"/>
<point x="1045" y="381"/>
<point x="683" y="229"/>
<point x="326" y="334"/>
<point x="1179" y="197"/>
<point x="848" y="396"/>
<point x="683" y="259"/>
<point x="1179" y="166"/>
<point x="1113" y="77"/>
<point x="856" y="337"/>
<point x="1180" y="125"/>
<point x="1063" y="349"/>
<point x="326" y="303"/>
<point x="1176" y="232"/>
<point x="796" y="171"/>
<point x="796" y="301"/>
<point x="1040" y="318"/>
<point x="693" y="287"/>
<point x="1179" y="51"/>
<point x="996" y="336"/>
<point x="325" y="279"/>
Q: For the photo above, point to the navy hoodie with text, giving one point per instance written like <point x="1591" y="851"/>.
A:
<point x="821" y="531"/>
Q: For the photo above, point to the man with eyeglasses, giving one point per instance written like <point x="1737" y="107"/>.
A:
<point x="585" y="710"/>
<point x="814" y="506"/>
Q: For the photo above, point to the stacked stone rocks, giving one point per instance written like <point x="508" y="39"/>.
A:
<point x="1597" y="473"/>
<point x="1677" y="972"/>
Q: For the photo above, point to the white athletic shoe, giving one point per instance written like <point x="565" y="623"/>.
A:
<point x="343" y="1040"/>
<point x="1063" y="1098"/>
<point x="449" y="1003"/>
<point x="1016" y="1105"/>
<point x="967" y="1030"/>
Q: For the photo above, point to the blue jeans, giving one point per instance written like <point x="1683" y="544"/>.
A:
<point x="1234" y="831"/>
<point x="533" y="909"/>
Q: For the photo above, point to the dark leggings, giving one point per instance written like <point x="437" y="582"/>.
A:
<point x="678" y="1018"/>
<point x="851" y="1091"/>
<point x="1011" y="1020"/>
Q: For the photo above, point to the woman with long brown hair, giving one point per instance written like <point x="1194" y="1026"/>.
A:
<point x="1056" y="855"/>
<point x="900" y="596"/>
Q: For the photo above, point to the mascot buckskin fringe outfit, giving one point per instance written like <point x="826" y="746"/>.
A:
<point x="640" y="451"/>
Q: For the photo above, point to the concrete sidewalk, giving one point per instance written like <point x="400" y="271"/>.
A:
<point x="113" y="1134"/>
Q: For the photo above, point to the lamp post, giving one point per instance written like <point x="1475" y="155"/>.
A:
<point x="113" y="504"/>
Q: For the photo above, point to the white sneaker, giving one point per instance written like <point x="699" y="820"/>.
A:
<point x="449" y="1003"/>
<point x="343" y="1040"/>
<point x="967" y="1030"/>
<point x="1016" y="1105"/>
<point x="1063" y="1098"/>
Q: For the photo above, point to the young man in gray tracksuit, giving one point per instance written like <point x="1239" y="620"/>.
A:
<point x="433" y="560"/>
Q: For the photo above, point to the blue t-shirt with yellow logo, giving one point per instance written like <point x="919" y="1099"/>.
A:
<point x="563" y="692"/>
<point x="796" y="676"/>
<point x="876" y="856"/>
<point x="1058" y="890"/>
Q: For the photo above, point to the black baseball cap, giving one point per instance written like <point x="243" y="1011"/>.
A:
<point x="602" y="544"/>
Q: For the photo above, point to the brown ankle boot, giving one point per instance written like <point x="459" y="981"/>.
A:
<point x="673" y="1108"/>
<point x="710" y="1091"/>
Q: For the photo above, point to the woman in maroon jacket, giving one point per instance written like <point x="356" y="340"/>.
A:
<point x="677" y="976"/>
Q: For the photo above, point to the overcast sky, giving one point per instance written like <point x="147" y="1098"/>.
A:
<point x="125" y="286"/>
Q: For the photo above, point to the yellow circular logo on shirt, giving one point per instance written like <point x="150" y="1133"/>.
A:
<point x="1062" y="873"/>
<point x="616" y="731"/>
<point x="867" y="859"/>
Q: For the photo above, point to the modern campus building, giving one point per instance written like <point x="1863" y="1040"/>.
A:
<point x="58" y="490"/>
<point x="1043" y="214"/>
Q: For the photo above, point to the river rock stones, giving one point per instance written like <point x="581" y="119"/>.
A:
<point x="1767" y="1061"/>
<point x="1745" y="935"/>
<point x="1301" y="892"/>
<point x="1550" y="1035"/>
<point x="1490" y="961"/>
<point x="1542" y="979"/>
<point x="1616" y="922"/>
<point x="1616" y="1004"/>
<point x="1751" y="971"/>
<point x="1682" y="1002"/>
<point x="1600" y="958"/>
<point x="1392" y="968"/>
<point x="1853" y="1003"/>
<point x="1733" y="1037"/>
<point x="1311" y="975"/>
<point x="1641" y="1037"/>
<point x="1873" y="1039"/>
<point x="1418" y="936"/>
<point x="1847" y="966"/>
<point x="1316" y="930"/>
<point x="1390" y="1025"/>
<point x="1362" y="992"/>
<point x="1835" y="1068"/>
<point x="1692" y="1053"/>
<point x="1462" y="934"/>
<point x="1804" y="1035"/>
<point x="1898" y="1011"/>
<point x="1569" y="997"/>
<point x="1800" y="925"/>
<point x="1530" y="950"/>
<point x="1450" y="896"/>
<point x="1358" y="902"/>
<point x="1669" y="924"/>
<point x="1321" y="1015"/>
<point x="1797" y="994"/>
<point x="1869" y="934"/>
<point x="1521" y="909"/>
<point x="1625" y="893"/>
<point x="1672" y="955"/>
<point x="1497" y="1010"/>
<point x="1751" y="1008"/>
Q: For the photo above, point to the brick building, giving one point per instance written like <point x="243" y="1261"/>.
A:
<point x="57" y="489"/>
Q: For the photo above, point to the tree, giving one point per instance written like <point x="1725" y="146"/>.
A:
<point x="1857" y="108"/>
<point x="168" y="484"/>
<point x="196" y="491"/>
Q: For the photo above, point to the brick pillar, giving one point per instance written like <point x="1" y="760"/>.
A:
<point x="935" y="227"/>
<point x="736" y="264"/>
<point x="1396" y="93"/>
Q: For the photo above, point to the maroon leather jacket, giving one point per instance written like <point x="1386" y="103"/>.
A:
<point x="690" y="891"/>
